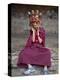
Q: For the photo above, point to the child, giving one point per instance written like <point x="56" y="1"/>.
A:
<point x="35" y="52"/>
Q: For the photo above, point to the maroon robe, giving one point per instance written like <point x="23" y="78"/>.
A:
<point x="35" y="53"/>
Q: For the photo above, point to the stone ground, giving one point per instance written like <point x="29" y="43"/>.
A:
<point x="18" y="42"/>
<point x="19" y="71"/>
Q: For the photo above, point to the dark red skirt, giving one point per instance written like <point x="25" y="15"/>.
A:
<point x="35" y="54"/>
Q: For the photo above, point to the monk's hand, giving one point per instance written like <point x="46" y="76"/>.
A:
<point x="40" y="39"/>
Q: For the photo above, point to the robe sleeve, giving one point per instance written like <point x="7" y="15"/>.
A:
<point x="42" y="35"/>
<point x="29" y="40"/>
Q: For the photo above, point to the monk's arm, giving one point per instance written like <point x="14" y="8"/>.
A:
<point x="39" y="38"/>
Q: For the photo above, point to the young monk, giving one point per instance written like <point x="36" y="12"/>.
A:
<point x="35" y="52"/>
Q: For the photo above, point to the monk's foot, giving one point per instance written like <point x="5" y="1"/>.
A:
<point x="29" y="71"/>
<point x="45" y="72"/>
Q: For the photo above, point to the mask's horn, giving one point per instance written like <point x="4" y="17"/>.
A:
<point x="29" y="13"/>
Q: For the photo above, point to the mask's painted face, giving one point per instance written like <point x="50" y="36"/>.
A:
<point x="35" y="21"/>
